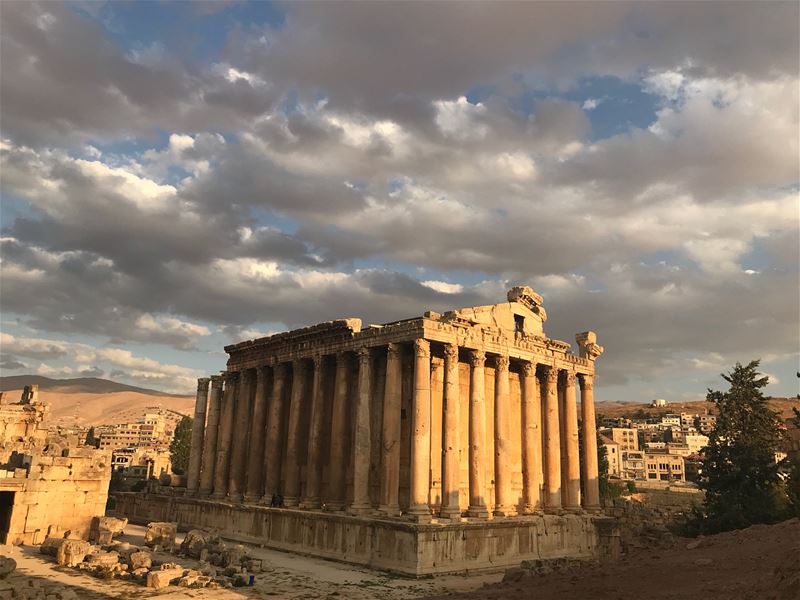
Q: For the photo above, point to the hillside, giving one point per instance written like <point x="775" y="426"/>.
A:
<point x="617" y="409"/>
<point x="93" y="385"/>
<point x="93" y="401"/>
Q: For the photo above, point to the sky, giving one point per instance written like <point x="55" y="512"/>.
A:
<point x="176" y="177"/>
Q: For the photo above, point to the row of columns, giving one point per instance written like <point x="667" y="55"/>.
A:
<point x="250" y="464"/>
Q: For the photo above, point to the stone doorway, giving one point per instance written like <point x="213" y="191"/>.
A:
<point x="6" y="506"/>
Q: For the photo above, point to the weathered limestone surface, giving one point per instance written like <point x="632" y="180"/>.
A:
<point x="467" y="418"/>
<point x="387" y="544"/>
<point x="56" y="484"/>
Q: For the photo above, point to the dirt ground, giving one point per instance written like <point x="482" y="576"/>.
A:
<point x="758" y="563"/>
<point x="286" y="576"/>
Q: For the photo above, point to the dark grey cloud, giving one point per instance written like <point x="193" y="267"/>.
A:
<point x="10" y="363"/>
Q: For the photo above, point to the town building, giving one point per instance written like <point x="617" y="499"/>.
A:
<point x="625" y="437"/>
<point x="148" y="431"/>
<point x="705" y="423"/>
<point x="658" y="403"/>
<point x="436" y="444"/>
<point x="613" y="455"/>
<point x="48" y="484"/>
<point x="695" y="442"/>
<point x="633" y="465"/>
<point x="664" y="467"/>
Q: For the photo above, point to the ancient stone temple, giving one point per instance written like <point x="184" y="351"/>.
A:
<point x="435" y="444"/>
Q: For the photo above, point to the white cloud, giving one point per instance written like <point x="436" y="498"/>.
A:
<point x="443" y="287"/>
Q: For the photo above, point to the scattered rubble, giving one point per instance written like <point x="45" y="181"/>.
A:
<point x="220" y="564"/>
<point x="7" y="566"/>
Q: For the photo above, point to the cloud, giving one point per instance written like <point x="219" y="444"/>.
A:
<point x="122" y="363"/>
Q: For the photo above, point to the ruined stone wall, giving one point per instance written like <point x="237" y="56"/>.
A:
<point x="55" y="493"/>
<point x="397" y="546"/>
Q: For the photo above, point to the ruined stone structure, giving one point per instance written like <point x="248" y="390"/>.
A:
<point x="447" y="432"/>
<point x="48" y="485"/>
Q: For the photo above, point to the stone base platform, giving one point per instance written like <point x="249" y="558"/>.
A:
<point x="394" y="545"/>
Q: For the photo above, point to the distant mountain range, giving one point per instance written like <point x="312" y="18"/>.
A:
<point x="91" y="385"/>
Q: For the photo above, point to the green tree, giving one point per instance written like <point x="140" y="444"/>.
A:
<point x="181" y="445"/>
<point x="740" y="476"/>
<point x="91" y="440"/>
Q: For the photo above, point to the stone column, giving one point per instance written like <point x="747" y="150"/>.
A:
<point x="222" y="466"/>
<point x="362" y="436"/>
<point x="573" y="500"/>
<point x="390" y="439"/>
<point x="211" y="435"/>
<point x="419" y="509"/>
<point x="591" y="483"/>
<point x="451" y="442"/>
<point x="477" y="435"/>
<point x="273" y="455"/>
<point x="552" y="438"/>
<point x="241" y="435"/>
<point x="531" y="438"/>
<point x="504" y="505"/>
<point x="311" y="498"/>
<point x="198" y="429"/>
<point x="339" y="420"/>
<point x="292" y="478"/>
<point x="258" y="433"/>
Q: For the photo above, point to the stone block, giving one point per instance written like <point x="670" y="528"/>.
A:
<point x="195" y="542"/>
<point x="72" y="552"/>
<point x="7" y="566"/>
<point x="162" y="579"/>
<point x="161" y="534"/>
<point x="103" y="559"/>
<point x="140" y="560"/>
<point x="51" y="545"/>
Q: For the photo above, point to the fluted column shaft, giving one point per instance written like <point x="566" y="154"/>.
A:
<point x="531" y="438"/>
<point x="222" y="467"/>
<point x="552" y="440"/>
<point x="292" y="466"/>
<point x="504" y="505"/>
<point x="573" y="499"/>
<point x="419" y="509"/>
<point x="198" y="429"/>
<point x="591" y="479"/>
<point x="311" y="497"/>
<point x="390" y="439"/>
<point x="338" y="469"/>
<point x="273" y="450"/>
<point x="477" y="435"/>
<point x="211" y="435"/>
<point x="451" y="443"/>
<point x="362" y="435"/>
<point x="241" y="435"/>
<point x="258" y="433"/>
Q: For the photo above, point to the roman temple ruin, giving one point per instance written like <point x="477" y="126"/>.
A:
<point x="442" y="443"/>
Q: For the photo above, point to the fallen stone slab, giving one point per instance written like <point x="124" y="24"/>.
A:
<point x="161" y="579"/>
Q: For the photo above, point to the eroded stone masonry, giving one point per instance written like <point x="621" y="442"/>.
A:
<point x="441" y="443"/>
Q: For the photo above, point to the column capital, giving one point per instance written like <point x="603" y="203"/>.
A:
<point x="477" y="358"/>
<point x="501" y="362"/>
<point x="550" y="374"/>
<point x="451" y="351"/>
<point x="230" y="376"/>
<point x="279" y="371"/>
<point x="202" y="384"/>
<point x="570" y="379"/>
<point x="528" y="369"/>
<point x="364" y="354"/>
<point x="422" y="348"/>
<point x="586" y="381"/>
<point x="317" y="360"/>
<point x="216" y="381"/>
<point x="393" y="350"/>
